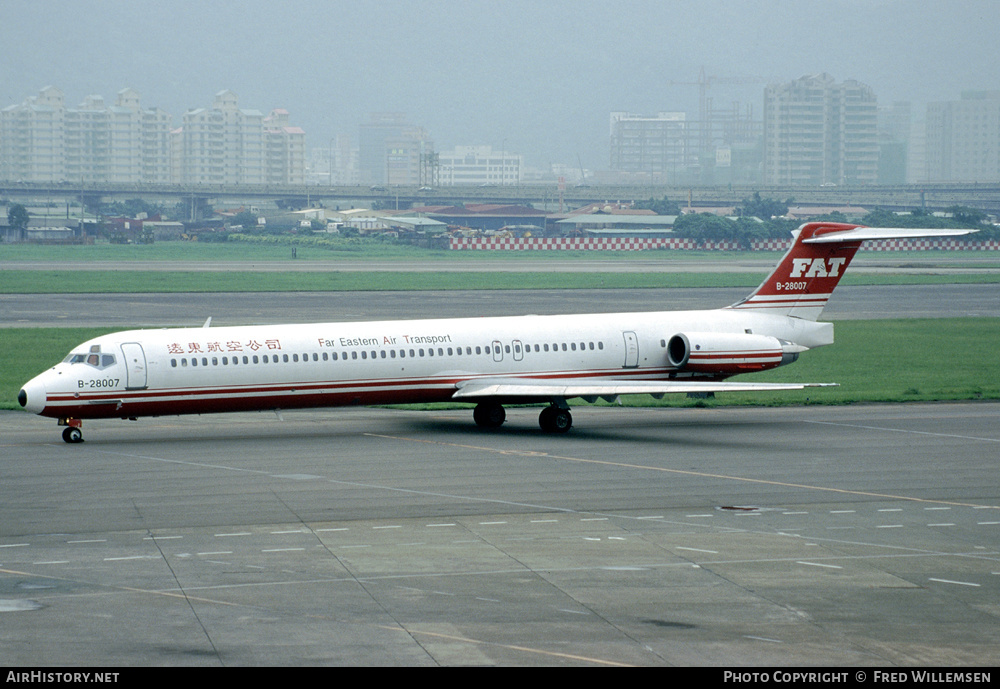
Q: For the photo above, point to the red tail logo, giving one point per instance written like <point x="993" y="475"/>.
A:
<point x="817" y="267"/>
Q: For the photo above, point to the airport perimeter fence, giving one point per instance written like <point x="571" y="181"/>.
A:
<point x="674" y="243"/>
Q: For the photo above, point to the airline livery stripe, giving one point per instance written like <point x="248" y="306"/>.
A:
<point x="787" y="297"/>
<point x="329" y="387"/>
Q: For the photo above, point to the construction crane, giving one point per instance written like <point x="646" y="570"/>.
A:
<point x="705" y="81"/>
<point x="705" y="103"/>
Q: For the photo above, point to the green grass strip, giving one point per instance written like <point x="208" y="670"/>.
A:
<point x="139" y="282"/>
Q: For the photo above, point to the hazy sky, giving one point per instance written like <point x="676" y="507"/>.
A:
<point x="538" y="77"/>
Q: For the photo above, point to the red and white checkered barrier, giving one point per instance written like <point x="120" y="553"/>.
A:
<point x="583" y="244"/>
<point x="646" y="244"/>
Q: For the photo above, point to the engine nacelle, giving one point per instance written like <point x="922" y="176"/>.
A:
<point x="728" y="353"/>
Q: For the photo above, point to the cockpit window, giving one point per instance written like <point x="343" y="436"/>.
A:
<point x="94" y="358"/>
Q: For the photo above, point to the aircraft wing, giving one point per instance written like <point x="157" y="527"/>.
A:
<point x="527" y="388"/>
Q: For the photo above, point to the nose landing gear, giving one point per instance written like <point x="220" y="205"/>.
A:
<point x="72" y="432"/>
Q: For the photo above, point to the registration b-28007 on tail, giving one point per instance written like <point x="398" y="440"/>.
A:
<point x="488" y="362"/>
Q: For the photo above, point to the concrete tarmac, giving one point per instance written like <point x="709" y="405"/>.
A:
<point x="855" y="536"/>
<point x="127" y="311"/>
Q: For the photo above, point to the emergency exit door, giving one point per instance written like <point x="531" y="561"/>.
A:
<point x="631" y="350"/>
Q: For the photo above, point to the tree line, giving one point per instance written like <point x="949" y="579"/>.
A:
<point x="756" y="219"/>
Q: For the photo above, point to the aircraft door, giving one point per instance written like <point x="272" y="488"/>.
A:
<point x="497" y="350"/>
<point x="631" y="350"/>
<point x="135" y="366"/>
<point x="518" y="350"/>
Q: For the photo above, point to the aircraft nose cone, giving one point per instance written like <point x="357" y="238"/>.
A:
<point x="32" y="396"/>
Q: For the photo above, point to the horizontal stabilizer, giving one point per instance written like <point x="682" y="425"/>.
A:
<point x="861" y="234"/>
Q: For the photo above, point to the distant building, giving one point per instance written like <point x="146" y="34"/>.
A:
<point x="894" y="133"/>
<point x="818" y="131"/>
<point x="724" y="148"/>
<point x="479" y="166"/>
<point x="32" y="138"/>
<point x="963" y="138"/>
<point x="659" y="146"/>
<point x="220" y="145"/>
<point x="41" y="140"/>
<point x="391" y="151"/>
<point x="285" y="150"/>
<point x="483" y="216"/>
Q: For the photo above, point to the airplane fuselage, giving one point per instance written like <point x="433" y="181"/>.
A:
<point x="204" y="370"/>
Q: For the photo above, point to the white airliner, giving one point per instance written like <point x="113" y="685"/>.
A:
<point x="486" y="361"/>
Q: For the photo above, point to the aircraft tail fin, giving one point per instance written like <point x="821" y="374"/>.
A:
<point x="808" y="273"/>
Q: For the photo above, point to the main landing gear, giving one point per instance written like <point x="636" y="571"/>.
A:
<point x="553" y="419"/>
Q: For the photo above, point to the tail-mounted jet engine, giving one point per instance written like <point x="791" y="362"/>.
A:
<point x="729" y="353"/>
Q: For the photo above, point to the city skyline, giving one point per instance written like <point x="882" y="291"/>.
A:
<point x="537" y="78"/>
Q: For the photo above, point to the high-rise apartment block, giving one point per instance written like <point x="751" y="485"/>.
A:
<point x="659" y="146"/>
<point x="226" y="144"/>
<point x="818" y="131"/>
<point x="963" y="138"/>
<point x="41" y="140"/>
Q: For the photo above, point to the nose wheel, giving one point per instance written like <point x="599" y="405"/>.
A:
<point x="72" y="435"/>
